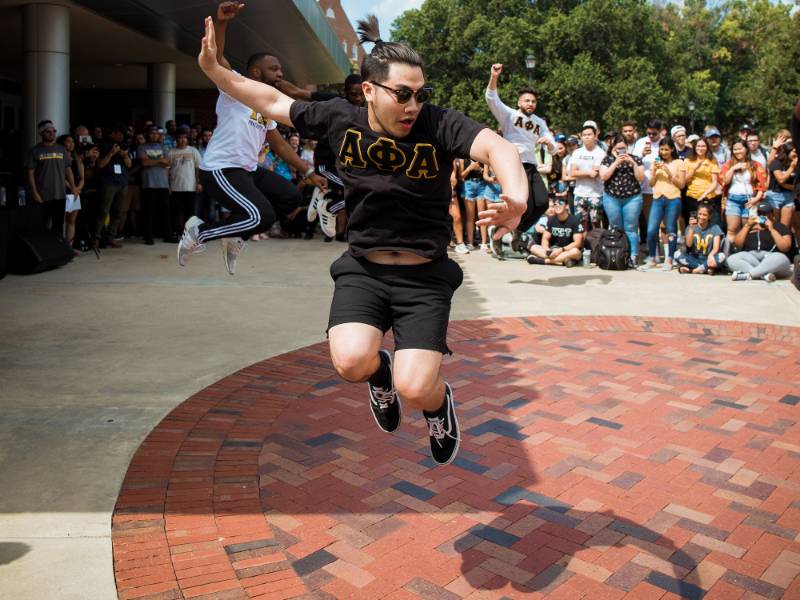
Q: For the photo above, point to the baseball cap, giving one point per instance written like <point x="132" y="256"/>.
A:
<point x="591" y="124"/>
<point x="693" y="138"/>
<point x="676" y="130"/>
<point x="764" y="208"/>
<point x="712" y="132"/>
<point x="745" y="127"/>
<point x="573" y="140"/>
<point x="560" y="137"/>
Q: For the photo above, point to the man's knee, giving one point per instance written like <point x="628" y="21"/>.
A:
<point x="353" y="364"/>
<point x="413" y="388"/>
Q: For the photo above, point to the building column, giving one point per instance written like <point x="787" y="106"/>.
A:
<point x="46" y="46"/>
<point x="161" y="81"/>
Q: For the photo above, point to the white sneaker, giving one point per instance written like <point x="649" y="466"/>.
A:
<point x="485" y="249"/>
<point x="770" y="277"/>
<point x="231" y="248"/>
<point x="189" y="243"/>
<point x="667" y="266"/>
<point x="462" y="249"/>
<point x="316" y="199"/>
<point x="327" y="220"/>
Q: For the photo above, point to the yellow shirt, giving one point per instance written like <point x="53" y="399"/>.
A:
<point x="662" y="186"/>
<point x="706" y="172"/>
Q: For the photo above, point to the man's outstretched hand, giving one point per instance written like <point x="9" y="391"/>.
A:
<point x="500" y="214"/>
<point x="228" y="10"/>
<point x="207" y="58"/>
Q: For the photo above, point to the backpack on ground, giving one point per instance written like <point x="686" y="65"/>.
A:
<point x="613" y="250"/>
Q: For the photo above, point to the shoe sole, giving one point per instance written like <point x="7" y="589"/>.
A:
<point x="458" y="438"/>
<point x="399" y="405"/>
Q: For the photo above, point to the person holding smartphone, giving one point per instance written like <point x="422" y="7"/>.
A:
<point x="667" y="179"/>
<point x="745" y="183"/>
<point x="622" y="174"/>
<point x="703" y="241"/>
<point x="763" y="245"/>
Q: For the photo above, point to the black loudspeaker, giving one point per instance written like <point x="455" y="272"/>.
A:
<point x="37" y="251"/>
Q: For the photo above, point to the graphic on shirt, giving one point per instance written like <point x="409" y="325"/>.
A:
<point x="153" y="154"/>
<point x="702" y="242"/>
<point x="385" y="155"/>
<point x="50" y="156"/>
<point x="527" y="125"/>
<point x="256" y="120"/>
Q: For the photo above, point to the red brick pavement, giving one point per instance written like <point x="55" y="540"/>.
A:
<point x="601" y="458"/>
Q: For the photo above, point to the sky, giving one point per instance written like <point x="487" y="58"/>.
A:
<point x="386" y="11"/>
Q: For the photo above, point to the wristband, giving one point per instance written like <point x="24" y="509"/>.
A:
<point x="308" y="173"/>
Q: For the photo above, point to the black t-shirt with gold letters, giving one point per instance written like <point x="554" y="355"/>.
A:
<point x="397" y="190"/>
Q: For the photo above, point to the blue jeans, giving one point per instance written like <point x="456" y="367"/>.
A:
<point x="693" y="261"/>
<point x="780" y="200"/>
<point x="667" y="209"/>
<point x="736" y="206"/>
<point x="623" y="213"/>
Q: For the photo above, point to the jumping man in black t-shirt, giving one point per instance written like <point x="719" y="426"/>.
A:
<point x="395" y="159"/>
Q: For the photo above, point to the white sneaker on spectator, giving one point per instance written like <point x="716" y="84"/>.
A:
<point x="770" y="277"/>
<point x="485" y="249"/>
<point x="313" y="206"/>
<point x="667" y="266"/>
<point x="648" y="265"/>
<point x="327" y="220"/>
<point x="461" y="249"/>
<point x="740" y="276"/>
<point x="231" y="248"/>
<point x="189" y="243"/>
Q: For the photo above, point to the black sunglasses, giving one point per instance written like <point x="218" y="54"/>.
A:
<point x="559" y="201"/>
<point x="403" y="95"/>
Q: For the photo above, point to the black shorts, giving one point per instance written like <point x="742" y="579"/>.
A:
<point x="412" y="300"/>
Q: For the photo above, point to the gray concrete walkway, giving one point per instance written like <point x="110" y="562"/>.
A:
<point x="96" y="353"/>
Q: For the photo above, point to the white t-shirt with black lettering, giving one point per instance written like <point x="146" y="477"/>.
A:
<point x="586" y="160"/>
<point x="238" y="138"/>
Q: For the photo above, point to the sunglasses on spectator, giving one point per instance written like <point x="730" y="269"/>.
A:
<point x="403" y="95"/>
<point x="560" y="201"/>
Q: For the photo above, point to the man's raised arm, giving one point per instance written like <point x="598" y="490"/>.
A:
<point x="496" y="106"/>
<point x="226" y="12"/>
<point x="260" y="97"/>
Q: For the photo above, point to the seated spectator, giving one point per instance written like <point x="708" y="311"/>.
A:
<point x="703" y="242"/>
<point x="763" y="248"/>
<point x="667" y="179"/>
<point x="622" y="174"/>
<point x="562" y="241"/>
<point x="744" y="182"/>
<point x="782" y="179"/>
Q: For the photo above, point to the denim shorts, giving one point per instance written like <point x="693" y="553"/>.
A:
<point x="474" y="189"/>
<point x="735" y="206"/>
<point x="492" y="192"/>
<point x="779" y="200"/>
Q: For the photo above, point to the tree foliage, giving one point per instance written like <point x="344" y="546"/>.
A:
<point x="611" y="60"/>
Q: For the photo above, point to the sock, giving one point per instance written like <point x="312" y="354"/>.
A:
<point x="439" y="412"/>
<point x="382" y="378"/>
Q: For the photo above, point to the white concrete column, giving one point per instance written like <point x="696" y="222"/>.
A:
<point x="46" y="46"/>
<point x="161" y="82"/>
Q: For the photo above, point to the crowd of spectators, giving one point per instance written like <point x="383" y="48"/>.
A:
<point x="688" y="202"/>
<point x="694" y="203"/>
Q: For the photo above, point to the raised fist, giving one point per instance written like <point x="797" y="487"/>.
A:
<point x="497" y="69"/>
<point x="228" y="10"/>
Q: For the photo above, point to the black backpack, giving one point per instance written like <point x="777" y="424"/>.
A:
<point x="613" y="250"/>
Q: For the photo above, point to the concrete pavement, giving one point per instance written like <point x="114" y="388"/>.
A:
<point x="96" y="353"/>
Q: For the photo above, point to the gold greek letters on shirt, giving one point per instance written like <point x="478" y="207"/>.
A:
<point x="254" y="116"/>
<point x="527" y="124"/>
<point x="385" y="155"/>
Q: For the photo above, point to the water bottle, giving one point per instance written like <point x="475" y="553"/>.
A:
<point x="587" y="257"/>
<point x="21" y="196"/>
<point x="3" y="196"/>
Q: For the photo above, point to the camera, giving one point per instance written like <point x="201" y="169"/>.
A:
<point x="762" y="220"/>
<point x="622" y="152"/>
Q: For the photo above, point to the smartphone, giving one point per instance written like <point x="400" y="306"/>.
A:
<point x="762" y="220"/>
<point x="693" y="215"/>
<point x="622" y="151"/>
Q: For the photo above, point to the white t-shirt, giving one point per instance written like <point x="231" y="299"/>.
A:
<point x="647" y="160"/>
<point x="586" y="160"/>
<point x="184" y="163"/>
<point x="520" y="129"/>
<point x="238" y="138"/>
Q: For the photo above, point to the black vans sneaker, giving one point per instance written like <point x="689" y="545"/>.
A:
<point x="385" y="403"/>
<point x="443" y="430"/>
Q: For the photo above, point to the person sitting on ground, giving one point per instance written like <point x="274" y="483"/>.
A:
<point x="703" y="241"/>
<point x="764" y="246"/>
<point x="562" y="241"/>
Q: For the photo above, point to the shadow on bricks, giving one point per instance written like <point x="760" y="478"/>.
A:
<point x="609" y="455"/>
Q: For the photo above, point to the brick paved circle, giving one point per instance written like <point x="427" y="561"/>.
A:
<point x="601" y="458"/>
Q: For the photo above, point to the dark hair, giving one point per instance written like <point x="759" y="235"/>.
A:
<point x="254" y="58"/>
<point x="704" y="206"/>
<point x="63" y="138"/>
<point x="618" y="139"/>
<point x="628" y="123"/>
<point x="375" y="65"/>
<point x="43" y="123"/>
<point x="655" y="124"/>
<point x="782" y="154"/>
<point x="669" y="144"/>
<point x="693" y="153"/>
<point x="528" y="90"/>
<point x="352" y="79"/>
